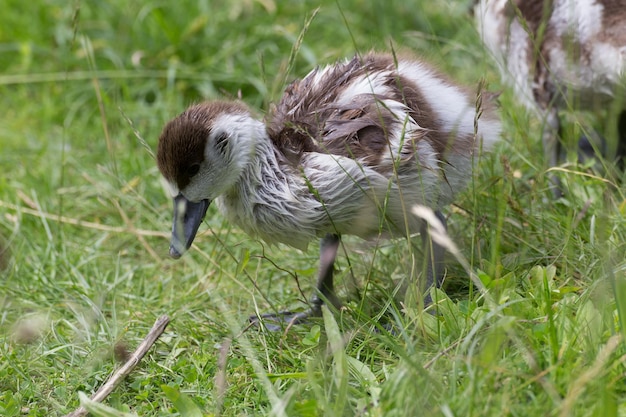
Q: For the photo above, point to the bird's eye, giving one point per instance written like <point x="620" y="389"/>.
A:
<point x="193" y="169"/>
<point x="221" y="140"/>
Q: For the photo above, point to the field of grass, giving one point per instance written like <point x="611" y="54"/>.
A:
<point x="85" y="88"/>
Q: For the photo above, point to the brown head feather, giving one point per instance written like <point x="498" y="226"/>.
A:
<point x="183" y="139"/>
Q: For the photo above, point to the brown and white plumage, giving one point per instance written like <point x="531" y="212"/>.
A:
<point x="348" y="150"/>
<point x="558" y="53"/>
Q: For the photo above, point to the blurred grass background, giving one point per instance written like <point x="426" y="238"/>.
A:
<point x="85" y="88"/>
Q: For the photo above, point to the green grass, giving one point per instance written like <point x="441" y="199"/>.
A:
<point x="85" y="88"/>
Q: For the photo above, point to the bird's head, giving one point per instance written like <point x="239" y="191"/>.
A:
<point x="202" y="154"/>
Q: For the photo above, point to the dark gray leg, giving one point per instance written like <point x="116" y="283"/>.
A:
<point x="590" y="147"/>
<point x="434" y="254"/>
<point x="324" y="289"/>
<point x="552" y="148"/>
<point x="621" y="145"/>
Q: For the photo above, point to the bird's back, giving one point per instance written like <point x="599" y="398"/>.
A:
<point x="388" y="127"/>
<point x="375" y="108"/>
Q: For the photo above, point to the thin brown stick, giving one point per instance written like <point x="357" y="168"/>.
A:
<point x="116" y="377"/>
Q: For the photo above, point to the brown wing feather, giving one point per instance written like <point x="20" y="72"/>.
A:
<point x="309" y="119"/>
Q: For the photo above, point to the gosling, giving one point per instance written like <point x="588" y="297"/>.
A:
<point x="348" y="150"/>
<point x="556" y="53"/>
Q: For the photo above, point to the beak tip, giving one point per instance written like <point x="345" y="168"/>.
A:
<point x="174" y="253"/>
<point x="187" y="218"/>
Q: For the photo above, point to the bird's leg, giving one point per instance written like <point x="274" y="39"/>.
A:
<point x="552" y="148"/>
<point x="621" y="144"/>
<point x="434" y="254"/>
<point x="324" y="290"/>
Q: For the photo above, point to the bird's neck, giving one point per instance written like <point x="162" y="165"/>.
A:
<point x="270" y="199"/>
<point x="263" y="167"/>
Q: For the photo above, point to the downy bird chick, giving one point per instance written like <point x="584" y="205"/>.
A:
<point x="558" y="54"/>
<point x="348" y="150"/>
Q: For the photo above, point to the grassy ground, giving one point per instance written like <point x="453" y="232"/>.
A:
<point x="85" y="88"/>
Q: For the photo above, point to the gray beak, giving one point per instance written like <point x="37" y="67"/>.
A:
<point x="187" y="218"/>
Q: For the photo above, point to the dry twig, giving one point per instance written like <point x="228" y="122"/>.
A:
<point x="117" y="376"/>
